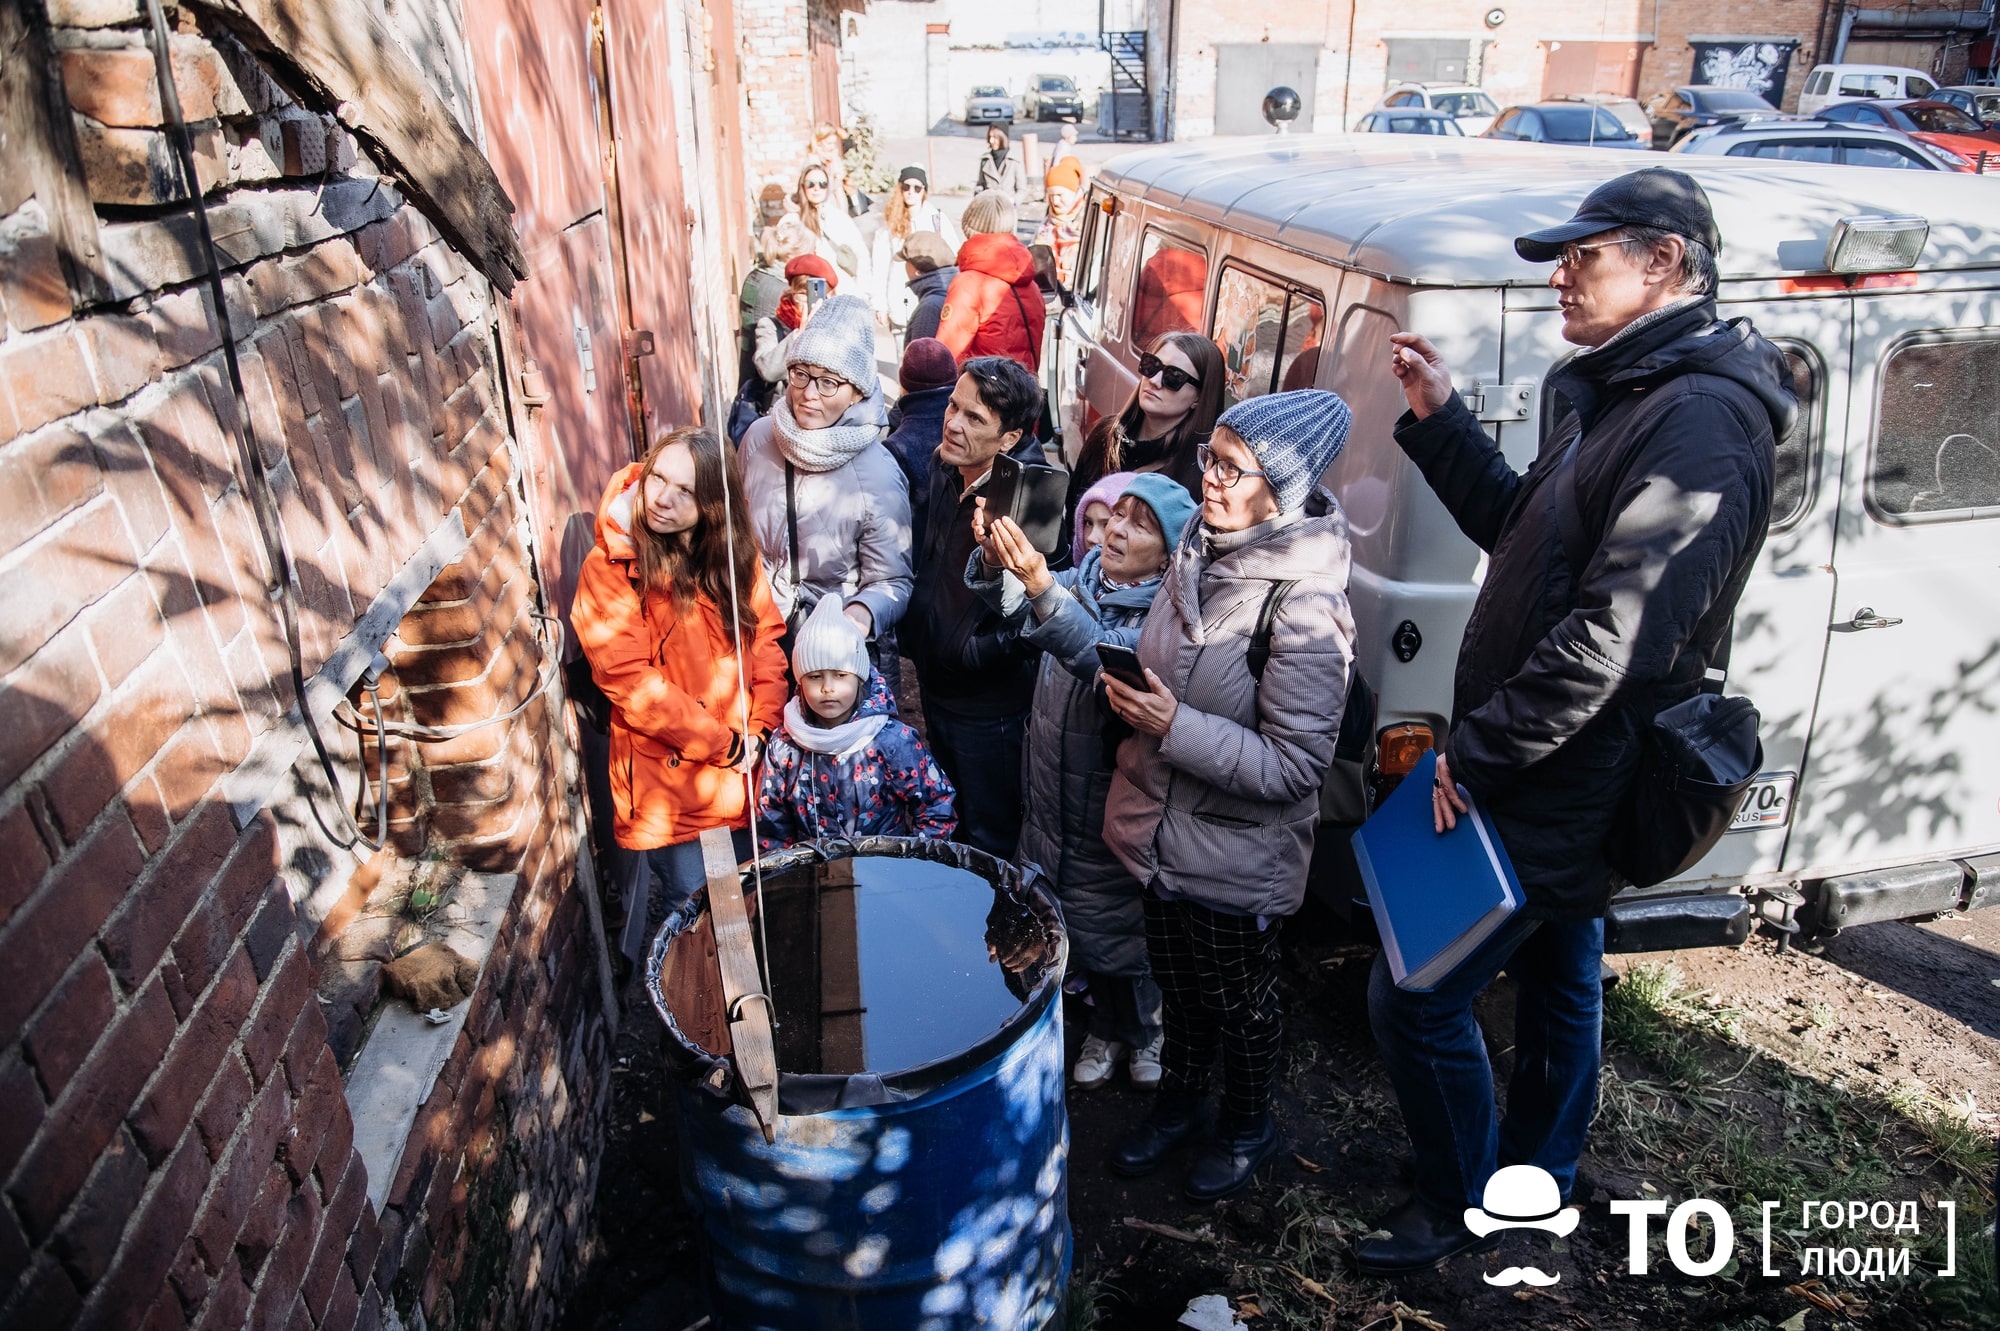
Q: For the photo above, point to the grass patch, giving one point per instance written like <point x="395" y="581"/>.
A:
<point x="1089" y="1292"/>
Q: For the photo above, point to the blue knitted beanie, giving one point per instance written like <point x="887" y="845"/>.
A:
<point x="1172" y="505"/>
<point x="1296" y="436"/>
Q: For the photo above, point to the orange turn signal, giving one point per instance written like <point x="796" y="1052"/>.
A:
<point x="1397" y="748"/>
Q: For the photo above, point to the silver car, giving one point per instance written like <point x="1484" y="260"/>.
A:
<point x="1815" y="141"/>
<point x="987" y="104"/>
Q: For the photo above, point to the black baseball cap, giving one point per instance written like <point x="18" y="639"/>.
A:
<point x="1655" y="197"/>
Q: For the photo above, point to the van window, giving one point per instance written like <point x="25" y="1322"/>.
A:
<point x="1798" y="451"/>
<point x="1090" y="249"/>
<point x="1173" y="281"/>
<point x="1868" y="85"/>
<point x="1915" y="86"/>
<point x="1937" y="441"/>
<point x="1269" y="334"/>
<point x="1817" y="83"/>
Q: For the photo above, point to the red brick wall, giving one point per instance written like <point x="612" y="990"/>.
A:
<point x="175" y="1143"/>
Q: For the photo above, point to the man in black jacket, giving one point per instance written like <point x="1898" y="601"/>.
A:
<point x="1668" y="422"/>
<point x="977" y="678"/>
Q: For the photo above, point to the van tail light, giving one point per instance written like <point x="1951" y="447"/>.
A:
<point x="1397" y="748"/>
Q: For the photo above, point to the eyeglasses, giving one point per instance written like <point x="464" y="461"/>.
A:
<point x="826" y="385"/>
<point x="1227" y="473"/>
<point x="815" y="184"/>
<point x="1171" y="377"/>
<point x="1572" y="254"/>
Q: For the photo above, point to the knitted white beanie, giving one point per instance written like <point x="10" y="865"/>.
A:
<point x="829" y="640"/>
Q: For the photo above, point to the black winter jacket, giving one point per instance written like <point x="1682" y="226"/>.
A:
<point x="969" y="659"/>
<point x="929" y="289"/>
<point x="1560" y="668"/>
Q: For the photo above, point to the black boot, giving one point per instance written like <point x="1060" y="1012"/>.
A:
<point x="1228" y="1163"/>
<point x="1419" y="1237"/>
<point x="1166" y="1127"/>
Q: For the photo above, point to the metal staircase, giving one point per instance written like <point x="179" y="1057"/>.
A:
<point x="1128" y="112"/>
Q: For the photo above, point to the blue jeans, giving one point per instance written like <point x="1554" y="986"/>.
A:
<point x="982" y="756"/>
<point x="675" y="873"/>
<point x="1436" y="1055"/>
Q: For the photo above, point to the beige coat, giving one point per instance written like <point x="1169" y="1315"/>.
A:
<point x="1222" y="809"/>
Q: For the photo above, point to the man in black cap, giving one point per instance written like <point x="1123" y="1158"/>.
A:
<point x="1614" y="566"/>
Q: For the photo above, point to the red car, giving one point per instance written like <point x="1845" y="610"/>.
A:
<point x="1939" y="124"/>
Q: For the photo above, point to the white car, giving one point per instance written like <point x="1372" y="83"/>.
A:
<point x="1463" y="102"/>
<point x="1828" y="84"/>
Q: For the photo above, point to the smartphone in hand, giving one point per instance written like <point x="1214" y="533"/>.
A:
<point x="815" y="292"/>
<point x="1122" y="664"/>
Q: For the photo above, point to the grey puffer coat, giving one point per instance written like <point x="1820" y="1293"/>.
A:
<point x="1067" y="765"/>
<point x="1222" y="809"/>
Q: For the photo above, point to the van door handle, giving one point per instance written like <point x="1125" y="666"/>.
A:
<point x="1866" y="618"/>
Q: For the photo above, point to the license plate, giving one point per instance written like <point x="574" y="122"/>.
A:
<point x="1768" y="803"/>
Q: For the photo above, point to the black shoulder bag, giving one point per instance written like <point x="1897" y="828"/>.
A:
<point x="1343" y="794"/>
<point x="1696" y="758"/>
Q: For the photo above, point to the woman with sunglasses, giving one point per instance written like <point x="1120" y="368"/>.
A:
<point x="828" y="501"/>
<point x="1216" y="797"/>
<point x="908" y="210"/>
<point x="824" y="211"/>
<point x="1167" y="419"/>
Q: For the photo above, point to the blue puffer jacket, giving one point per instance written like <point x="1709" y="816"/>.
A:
<point x="869" y="776"/>
<point x="1068" y="763"/>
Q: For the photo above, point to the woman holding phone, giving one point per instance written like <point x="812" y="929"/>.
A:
<point x="1165" y="423"/>
<point x="1069" y="616"/>
<point x="1216" y="797"/>
<point x="677" y="621"/>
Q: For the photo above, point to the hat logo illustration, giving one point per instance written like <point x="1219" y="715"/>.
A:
<point x="1521" y="1197"/>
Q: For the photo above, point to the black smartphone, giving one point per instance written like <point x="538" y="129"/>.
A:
<point x="815" y="292"/>
<point x="1122" y="664"/>
<point x="1032" y="496"/>
<point x="1002" y="484"/>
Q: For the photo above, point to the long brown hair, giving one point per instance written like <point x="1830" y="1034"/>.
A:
<point x="896" y="215"/>
<point x="696" y="561"/>
<point x="1104" y="451"/>
<point x="808" y="210"/>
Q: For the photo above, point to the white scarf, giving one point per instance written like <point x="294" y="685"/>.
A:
<point x="855" y="733"/>
<point x="836" y="445"/>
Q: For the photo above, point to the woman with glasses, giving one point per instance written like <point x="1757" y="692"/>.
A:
<point x="823" y="208"/>
<point x="1166" y="420"/>
<point x="1216" y="798"/>
<point x="908" y="210"/>
<point x="828" y="502"/>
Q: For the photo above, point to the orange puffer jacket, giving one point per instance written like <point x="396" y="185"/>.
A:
<point x="993" y="307"/>
<point x="672" y="681"/>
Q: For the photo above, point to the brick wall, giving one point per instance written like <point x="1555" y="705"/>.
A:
<point x="175" y="1142"/>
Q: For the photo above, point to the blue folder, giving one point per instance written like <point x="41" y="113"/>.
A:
<point x="1436" y="897"/>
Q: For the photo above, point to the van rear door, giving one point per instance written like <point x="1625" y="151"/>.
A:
<point x="1904" y="758"/>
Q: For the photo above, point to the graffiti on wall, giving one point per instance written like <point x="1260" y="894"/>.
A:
<point x="1758" y="67"/>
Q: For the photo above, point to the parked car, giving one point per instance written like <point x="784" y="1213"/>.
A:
<point x="1693" y="106"/>
<point x="1940" y="124"/>
<point x="1982" y="104"/>
<point x="1821" y="141"/>
<point x="1408" y="121"/>
<point x="1828" y="84"/>
<point x="1630" y="114"/>
<point x="1052" y="97"/>
<point x="1573" y="124"/>
<point x="1463" y="102"/>
<point x="987" y="103"/>
<point x="1866" y="656"/>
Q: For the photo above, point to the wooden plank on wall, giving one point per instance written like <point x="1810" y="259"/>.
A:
<point x="38" y="152"/>
<point x="344" y="51"/>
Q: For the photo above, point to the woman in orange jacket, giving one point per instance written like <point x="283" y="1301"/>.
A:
<point x="653" y="615"/>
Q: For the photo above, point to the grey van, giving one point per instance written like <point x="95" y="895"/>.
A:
<point x="1869" y="637"/>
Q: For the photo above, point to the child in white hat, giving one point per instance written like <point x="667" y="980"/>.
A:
<point x="842" y="765"/>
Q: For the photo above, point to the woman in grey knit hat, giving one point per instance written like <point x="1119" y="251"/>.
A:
<point x="1216" y="797"/>
<point x="829" y="504"/>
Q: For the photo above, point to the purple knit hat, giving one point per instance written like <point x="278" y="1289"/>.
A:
<point x="1105" y="492"/>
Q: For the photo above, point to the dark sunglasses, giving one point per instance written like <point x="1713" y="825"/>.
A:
<point x="1171" y="377"/>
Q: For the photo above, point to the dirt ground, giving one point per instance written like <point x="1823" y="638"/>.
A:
<point x="1869" y="1071"/>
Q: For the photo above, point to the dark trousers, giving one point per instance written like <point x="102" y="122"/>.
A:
<point x="1125" y="1008"/>
<point x="982" y="756"/>
<point x="1218" y="978"/>
<point x="1436" y="1056"/>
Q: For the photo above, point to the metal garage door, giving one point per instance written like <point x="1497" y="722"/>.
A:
<point x="1244" y="73"/>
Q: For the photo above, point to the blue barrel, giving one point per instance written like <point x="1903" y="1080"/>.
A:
<point x="933" y="1197"/>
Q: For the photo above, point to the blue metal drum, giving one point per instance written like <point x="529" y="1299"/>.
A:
<point x="932" y="1196"/>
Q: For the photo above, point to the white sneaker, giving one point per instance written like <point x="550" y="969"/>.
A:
<point x="1146" y="1064"/>
<point x="1097" y="1062"/>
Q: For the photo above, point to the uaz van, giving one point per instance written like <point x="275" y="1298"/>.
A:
<point x="1869" y="637"/>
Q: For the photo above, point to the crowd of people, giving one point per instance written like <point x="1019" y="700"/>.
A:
<point x="748" y="611"/>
